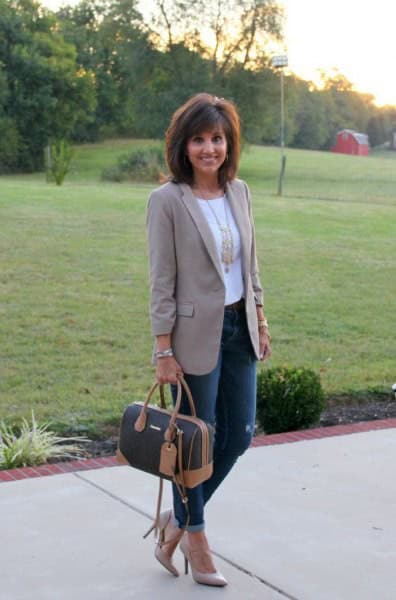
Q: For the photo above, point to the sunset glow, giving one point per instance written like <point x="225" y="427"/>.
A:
<point x="354" y="37"/>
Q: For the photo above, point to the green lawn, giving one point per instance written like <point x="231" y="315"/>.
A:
<point x="74" y="327"/>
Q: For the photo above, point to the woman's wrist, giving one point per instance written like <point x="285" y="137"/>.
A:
<point x="163" y="342"/>
<point x="263" y="325"/>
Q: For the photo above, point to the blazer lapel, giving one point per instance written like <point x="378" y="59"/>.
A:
<point x="201" y="223"/>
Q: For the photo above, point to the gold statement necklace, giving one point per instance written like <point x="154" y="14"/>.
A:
<point x="227" y="242"/>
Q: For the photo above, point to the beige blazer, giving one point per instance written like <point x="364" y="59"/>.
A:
<point x="187" y="285"/>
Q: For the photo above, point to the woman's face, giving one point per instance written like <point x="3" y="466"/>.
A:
<point x="207" y="151"/>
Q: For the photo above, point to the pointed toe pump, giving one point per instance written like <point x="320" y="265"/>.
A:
<point x="167" y="534"/>
<point x="200" y="558"/>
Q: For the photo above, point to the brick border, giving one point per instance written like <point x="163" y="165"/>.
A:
<point x="322" y="432"/>
<point x="58" y="468"/>
<point x="260" y="440"/>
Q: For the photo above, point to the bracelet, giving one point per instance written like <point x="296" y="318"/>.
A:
<point x="263" y="323"/>
<point x="164" y="353"/>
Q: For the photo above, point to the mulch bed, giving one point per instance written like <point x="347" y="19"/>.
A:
<point x="338" y="413"/>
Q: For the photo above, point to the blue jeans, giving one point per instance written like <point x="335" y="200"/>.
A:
<point x="226" y="398"/>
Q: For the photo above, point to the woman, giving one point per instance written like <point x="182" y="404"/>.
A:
<point x="206" y="304"/>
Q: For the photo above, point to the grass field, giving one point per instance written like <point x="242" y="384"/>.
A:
<point x="74" y="327"/>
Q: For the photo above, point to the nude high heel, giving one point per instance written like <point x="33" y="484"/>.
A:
<point x="165" y="530"/>
<point x="191" y="556"/>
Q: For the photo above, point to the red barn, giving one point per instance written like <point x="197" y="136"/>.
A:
<point x="350" y="142"/>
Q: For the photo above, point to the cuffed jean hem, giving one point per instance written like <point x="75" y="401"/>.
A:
<point x="189" y="528"/>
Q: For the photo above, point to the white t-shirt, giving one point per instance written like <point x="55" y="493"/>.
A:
<point x="233" y="280"/>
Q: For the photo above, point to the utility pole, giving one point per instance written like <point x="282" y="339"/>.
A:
<point x="280" y="62"/>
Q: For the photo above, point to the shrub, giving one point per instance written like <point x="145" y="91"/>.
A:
<point x="34" y="445"/>
<point x="58" y="158"/>
<point x="142" y="164"/>
<point x="288" y="399"/>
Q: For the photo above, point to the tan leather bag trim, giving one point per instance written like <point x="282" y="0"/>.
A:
<point x="192" y="442"/>
<point x="205" y="435"/>
<point x="197" y="476"/>
<point x="121" y="458"/>
<point x="168" y="459"/>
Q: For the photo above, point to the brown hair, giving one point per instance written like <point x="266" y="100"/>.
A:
<point x="202" y="113"/>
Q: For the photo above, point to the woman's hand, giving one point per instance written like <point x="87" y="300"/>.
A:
<point x="264" y="343"/>
<point x="264" y="336"/>
<point x="168" y="370"/>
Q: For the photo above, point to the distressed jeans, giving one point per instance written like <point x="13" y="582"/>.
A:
<point x="226" y="398"/>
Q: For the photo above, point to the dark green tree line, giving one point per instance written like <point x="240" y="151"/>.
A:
<point x="43" y="94"/>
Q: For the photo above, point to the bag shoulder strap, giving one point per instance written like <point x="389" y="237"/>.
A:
<point x="181" y="488"/>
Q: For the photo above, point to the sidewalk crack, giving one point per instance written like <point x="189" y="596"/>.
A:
<point x="254" y="576"/>
<point x="114" y="497"/>
<point x="221" y="556"/>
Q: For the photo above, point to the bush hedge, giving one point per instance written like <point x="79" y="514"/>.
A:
<point x="288" y="399"/>
<point x="147" y="164"/>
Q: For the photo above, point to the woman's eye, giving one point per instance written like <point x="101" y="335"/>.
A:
<point x="218" y="139"/>
<point x="197" y="140"/>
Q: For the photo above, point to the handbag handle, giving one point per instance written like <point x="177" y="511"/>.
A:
<point x="140" y="422"/>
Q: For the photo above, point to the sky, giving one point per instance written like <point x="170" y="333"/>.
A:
<point x="355" y="37"/>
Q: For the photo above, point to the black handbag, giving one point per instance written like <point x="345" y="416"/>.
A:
<point x="166" y="443"/>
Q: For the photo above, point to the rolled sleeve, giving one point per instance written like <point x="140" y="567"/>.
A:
<point x="162" y="260"/>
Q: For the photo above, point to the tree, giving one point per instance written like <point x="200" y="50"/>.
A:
<point x="351" y="109"/>
<point x="217" y="47"/>
<point x="312" y="123"/>
<point x="109" y="39"/>
<point x="47" y="95"/>
<point x="376" y="130"/>
<point x="382" y="126"/>
<point x="166" y="88"/>
<point x="9" y="139"/>
<point x="225" y="32"/>
<point x="256" y="93"/>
